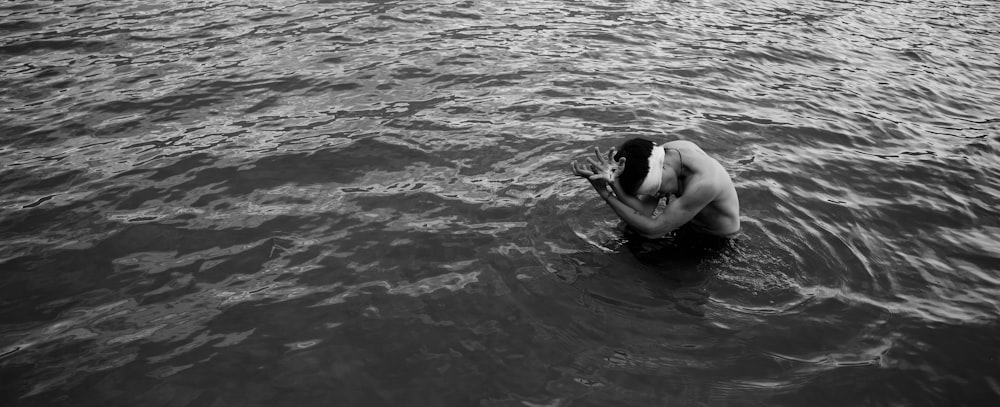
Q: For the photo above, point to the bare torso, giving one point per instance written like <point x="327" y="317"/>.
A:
<point x="721" y="217"/>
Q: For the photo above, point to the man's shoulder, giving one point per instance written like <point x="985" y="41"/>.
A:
<point x="681" y="144"/>
<point x="704" y="183"/>
<point x="712" y="179"/>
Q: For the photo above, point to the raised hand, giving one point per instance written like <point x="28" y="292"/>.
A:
<point x="606" y="168"/>
<point x="582" y="170"/>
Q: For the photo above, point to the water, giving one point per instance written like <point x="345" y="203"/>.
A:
<point x="369" y="203"/>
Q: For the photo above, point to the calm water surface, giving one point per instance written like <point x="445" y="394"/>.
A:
<point x="240" y="203"/>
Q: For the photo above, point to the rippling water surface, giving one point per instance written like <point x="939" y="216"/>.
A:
<point x="369" y="203"/>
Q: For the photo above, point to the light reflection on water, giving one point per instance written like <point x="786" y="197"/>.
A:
<point x="370" y="203"/>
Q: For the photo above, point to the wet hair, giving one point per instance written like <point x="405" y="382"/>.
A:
<point x="636" y="152"/>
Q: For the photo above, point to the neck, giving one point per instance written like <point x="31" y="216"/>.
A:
<point x="671" y="183"/>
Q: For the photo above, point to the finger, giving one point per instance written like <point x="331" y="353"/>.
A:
<point x="621" y="167"/>
<point x="595" y="163"/>
<point x="611" y="155"/>
<point x="600" y="157"/>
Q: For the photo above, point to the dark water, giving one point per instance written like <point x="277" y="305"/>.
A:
<point x="369" y="203"/>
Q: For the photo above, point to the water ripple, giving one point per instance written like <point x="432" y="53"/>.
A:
<point x="375" y="194"/>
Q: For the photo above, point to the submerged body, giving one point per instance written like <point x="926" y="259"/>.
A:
<point x="699" y="192"/>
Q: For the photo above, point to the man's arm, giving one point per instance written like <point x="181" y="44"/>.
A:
<point x="589" y="171"/>
<point x="677" y="213"/>
<point x="644" y="204"/>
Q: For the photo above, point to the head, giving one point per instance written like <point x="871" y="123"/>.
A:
<point x="636" y="152"/>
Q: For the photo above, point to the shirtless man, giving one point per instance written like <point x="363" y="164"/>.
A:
<point x="642" y="173"/>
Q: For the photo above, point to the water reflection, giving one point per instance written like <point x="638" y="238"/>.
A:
<point x="368" y="203"/>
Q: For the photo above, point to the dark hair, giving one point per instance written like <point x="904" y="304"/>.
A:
<point x="636" y="152"/>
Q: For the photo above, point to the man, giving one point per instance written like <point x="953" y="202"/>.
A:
<point x="704" y="199"/>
